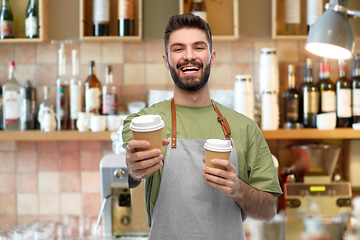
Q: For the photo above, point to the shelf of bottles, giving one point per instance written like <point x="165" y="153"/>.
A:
<point x="29" y="21"/>
<point x="112" y="20"/>
<point x="222" y="16"/>
<point x="291" y="18"/>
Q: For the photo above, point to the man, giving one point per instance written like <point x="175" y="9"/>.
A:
<point x="185" y="199"/>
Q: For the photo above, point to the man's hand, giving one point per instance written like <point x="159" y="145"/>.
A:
<point x="142" y="164"/>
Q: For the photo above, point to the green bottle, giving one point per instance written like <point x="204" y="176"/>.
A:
<point x="6" y="21"/>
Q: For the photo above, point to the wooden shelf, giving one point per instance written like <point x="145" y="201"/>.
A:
<point x="339" y="133"/>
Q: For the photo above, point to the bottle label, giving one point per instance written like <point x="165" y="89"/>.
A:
<point x="31" y="26"/>
<point x="292" y="110"/>
<point x="7" y="28"/>
<point x="343" y="103"/>
<point x="28" y="110"/>
<point x="110" y="104"/>
<point x="92" y="100"/>
<point x="11" y="104"/>
<point x="126" y="9"/>
<point x="328" y="101"/>
<point x="101" y="11"/>
<point x="61" y="102"/>
<point x="75" y="101"/>
<point x="311" y="102"/>
<point x="356" y="102"/>
<point x="314" y="9"/>
<point x="201" y="14"/>
<point x="292" y="11"/>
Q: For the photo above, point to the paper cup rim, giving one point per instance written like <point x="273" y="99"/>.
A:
<point x="159" y="125"/>
<point x="209" y="145"/>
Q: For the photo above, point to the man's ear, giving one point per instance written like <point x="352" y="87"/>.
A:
<point x="166" y="61"/>
<point x="213" y="58"/>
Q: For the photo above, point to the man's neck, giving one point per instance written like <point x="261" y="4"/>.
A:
<point x="192" y="98"/>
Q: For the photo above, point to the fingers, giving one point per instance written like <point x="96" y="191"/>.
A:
<point x="166" y="142"/>
<point x="134" y="144"/>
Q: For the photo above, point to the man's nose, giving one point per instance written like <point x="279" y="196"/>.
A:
<point x="189" y="54"/>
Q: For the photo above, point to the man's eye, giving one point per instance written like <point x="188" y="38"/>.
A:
<point x="177" y="49"/>
<point x="199" y="48"/>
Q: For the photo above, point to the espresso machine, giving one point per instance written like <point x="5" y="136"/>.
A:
<point x="123" y="210"/>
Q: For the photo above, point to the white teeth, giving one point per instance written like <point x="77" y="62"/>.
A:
<point x="190" y="69"/>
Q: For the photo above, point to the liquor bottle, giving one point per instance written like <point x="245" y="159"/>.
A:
<point x="75" y="90"/>
<point x="314" y="9"/>
<point x="356" y="89"/>
<point x="32" y="20"/>
<point x="101" y="17"/>
<point x="310" y="96"/>
<point x="343" y="98"/>
<point x="327" y="88"/>
<point x="109" y="94"/>
<point x="126" y="18"/>
<point x="62" y="94"/>
<point x="291" y="99"/>
<point x="46" y="102"/>
<point x="11" y="104"/>
<point x="28" y="118"/>
<point x="292" y="17"/>
<point x="92" y="91"/>
<point x="198" y="8"/>
<point x="6" y="21"/>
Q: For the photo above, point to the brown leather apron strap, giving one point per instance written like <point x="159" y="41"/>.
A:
<point x="224" y="124"/>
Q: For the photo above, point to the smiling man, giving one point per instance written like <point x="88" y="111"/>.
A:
<point x="185" y="199"/>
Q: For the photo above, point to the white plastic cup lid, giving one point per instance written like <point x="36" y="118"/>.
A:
<point x="146" y="123"/>
<point x="218" y="145"/>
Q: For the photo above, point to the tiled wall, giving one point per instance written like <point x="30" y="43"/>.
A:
<point x="47" y="180"/>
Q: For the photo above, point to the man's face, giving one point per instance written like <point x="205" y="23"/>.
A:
<point x="189" y="59"/>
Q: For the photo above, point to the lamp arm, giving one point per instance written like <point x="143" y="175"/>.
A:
<point x="353" y="13"/>
<point x="339" y="8"/>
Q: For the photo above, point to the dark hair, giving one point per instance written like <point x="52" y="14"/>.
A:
<point x="187" y="20"/>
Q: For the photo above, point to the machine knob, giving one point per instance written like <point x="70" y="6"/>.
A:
<point x="119" y="173"/>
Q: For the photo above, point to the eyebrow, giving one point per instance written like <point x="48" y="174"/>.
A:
<point x="181" y="44"/>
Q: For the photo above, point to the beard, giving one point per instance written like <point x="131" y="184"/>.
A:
<point x="190" y="83"/>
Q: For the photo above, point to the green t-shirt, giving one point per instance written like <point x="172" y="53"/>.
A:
<point x="255" y="166"/>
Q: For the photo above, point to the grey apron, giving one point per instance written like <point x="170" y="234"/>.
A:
<point x="187" y="207"/>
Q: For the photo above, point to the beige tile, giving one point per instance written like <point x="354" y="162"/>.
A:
<point x="90" y="52"/>
<point x="135" y="93"/>
<point x="262" y="44"/>
<point x="26" y="72"/>
<point x="27" y="204"/>
<point x="7" y="204"/>
<point x="90" y="160"/>
<point x="71" y="204"/>
<point x="7" y="162"/>
<point x="27" y="182"/>
<point x="134" y="53"/>
<point x="7" y="145"/>
<point x="243" y="69"/>
<point x="8" y="220"/>
<point x="112" y="53"/>
<point x="223" y="52"/>
<point x="90" y="182"/>
<point x="26" y="145"/>
<point x="70" y="160"/>
<point x="243" y="52"/>
<point x="69" y="145"/>
<point x="27" y="161"/>
<point x="27" y="219"/>
<point x="70" y="181"/>
<point x="25" y="53"/>
<point x="220" y="74"/>
<point x="154" y="51"/>
<point x="48" y="145"/>
<point x="118" y="72"/>
<point x="49" y="218"/>
<point x="91" y="145"/>
<point x="4" y="73"/>
<point x="7" y="183"/>
<point x="49" y="160"/>
<point x="91" y="203"/>
<point x="47" y="74"/>
<point x="47" y="53"/>
<point x="156" y="74"/>
<point x="49" y="204"/>
<point x="49" y="182"/>
<point x="7" y="53"/>
<point x="287" y="51"/>
<point x="134" y="74"/>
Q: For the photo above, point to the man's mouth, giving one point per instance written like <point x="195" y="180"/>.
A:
<point x="190" y="69"/>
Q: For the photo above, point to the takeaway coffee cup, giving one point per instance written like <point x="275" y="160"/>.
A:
<point x="216" y="148"/>
<point x="148" y="127"/>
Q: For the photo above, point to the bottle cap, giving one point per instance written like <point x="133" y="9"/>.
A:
<point x="146" y="123"/>
<point x="218" y="145"/>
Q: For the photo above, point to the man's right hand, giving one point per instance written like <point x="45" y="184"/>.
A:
<point x="142" y="164"/>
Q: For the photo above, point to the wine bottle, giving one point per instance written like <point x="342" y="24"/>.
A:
<point x="28" y="116"/>
<point x="46" y="102"/>
<point x="126" y="18"/>
<point x="356" y="89"/>
<point x="292" y="17"/>
<point x="11" y="104"/>
<point x="101" y="17"/>
<point x="109" y="94"/>
<point x="314" y="9"/>
<point x="343" y="98"/>
<point x="6" y="21"/>
<point x="62" y="94"/>
<point x="92" y="91"/>
<point x="75" y="90"/>
<point x="198" y="8"/>
<point x="32" y="20"/>
<point x="310" y="96"/>
<point x="291" y="99"/>
<point x="327" y="88"/>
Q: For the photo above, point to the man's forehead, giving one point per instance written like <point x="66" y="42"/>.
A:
<point x="188" y="36"/>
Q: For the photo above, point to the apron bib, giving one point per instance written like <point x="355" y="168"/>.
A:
<point x="187" y="207"/>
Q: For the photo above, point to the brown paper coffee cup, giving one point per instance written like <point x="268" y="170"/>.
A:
<point x="155" y="138"/>
<point x="217" y="148"/>
<point x="211" y="155"/>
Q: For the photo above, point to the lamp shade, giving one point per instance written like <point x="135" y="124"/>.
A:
<point x="331" y="36"/>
